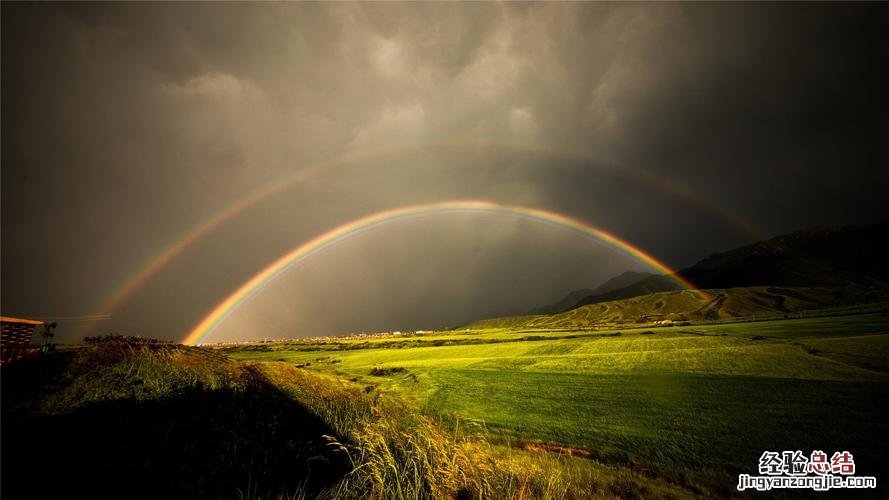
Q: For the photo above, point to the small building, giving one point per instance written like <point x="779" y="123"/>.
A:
<point x="15" y="337"/>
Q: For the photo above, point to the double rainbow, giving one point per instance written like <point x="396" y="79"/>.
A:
<point x="164" y="256"/>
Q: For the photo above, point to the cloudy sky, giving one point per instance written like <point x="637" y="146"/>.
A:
<point x="682" y="129"/>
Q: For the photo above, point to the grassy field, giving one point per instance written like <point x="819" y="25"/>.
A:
<point x="669" y="412"/>
<point x="129" y="418"/>
<point x="695" y="405"/>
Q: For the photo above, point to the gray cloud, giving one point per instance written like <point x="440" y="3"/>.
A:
<point x="126" y="125"/>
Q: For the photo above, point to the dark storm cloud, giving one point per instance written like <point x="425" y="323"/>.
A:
<point x="784" y="102"/>
<point x="125" y="125"/>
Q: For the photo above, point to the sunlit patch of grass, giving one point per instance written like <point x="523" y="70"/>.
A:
<point x="693" y="404"/>
<point x="116" y="370"/>
<point x="397" y="452"/>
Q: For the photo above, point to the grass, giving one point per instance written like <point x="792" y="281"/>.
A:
<point x="136" y="420"/>
<point x="671" y="424"/>
<point x="398" y="452"/>
<point x="645" y="412"/>
<point x="694" y="404"/>
<point x="151" y="420"/>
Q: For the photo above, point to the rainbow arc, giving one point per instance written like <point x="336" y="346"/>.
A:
<point x="350" y="229"/>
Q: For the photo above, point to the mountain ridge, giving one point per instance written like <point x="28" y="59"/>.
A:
<point x="833" y="257"/>
<point x="810" y="268"/>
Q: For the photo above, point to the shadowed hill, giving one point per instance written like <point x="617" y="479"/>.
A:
<point x="566" y="303"/>
<point x="816" y="257"/>
<point x="623" y="280"/>
<point x="844" y="257"/>
<point x="119" y="420"/>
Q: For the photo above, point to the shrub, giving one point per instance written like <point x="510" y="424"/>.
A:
<point x="383" y="372"/>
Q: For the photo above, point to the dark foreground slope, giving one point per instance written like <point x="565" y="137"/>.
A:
<point x="123" y="420"/>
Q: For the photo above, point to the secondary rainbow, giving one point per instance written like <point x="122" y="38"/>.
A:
<point x="349" y="229"/>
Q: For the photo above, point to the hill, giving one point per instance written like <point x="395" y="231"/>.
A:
<point x="814" y="257"/>
<point x="840" y="257"/>
<point x="692" y="305"/>
<point x="567" y="302"/>
<point x="623" y="280"/>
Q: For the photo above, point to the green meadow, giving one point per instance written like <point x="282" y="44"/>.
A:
<point x="690" y="405"/>
<point x="652" y="412"/>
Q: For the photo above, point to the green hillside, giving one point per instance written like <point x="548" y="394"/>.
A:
<point x="692" y="305"/>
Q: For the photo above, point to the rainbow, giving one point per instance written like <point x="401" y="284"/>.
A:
<point x="186" y="239"/>
<point x="349" y="229"/>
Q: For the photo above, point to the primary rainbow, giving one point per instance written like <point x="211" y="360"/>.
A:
<point x="349" y="229"/>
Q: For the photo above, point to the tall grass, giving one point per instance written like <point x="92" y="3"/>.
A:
<point x="112" y="370"/>
<point x="179" y="422"/>
<point x="399" y="453"/>
<point x="390" y="449"/>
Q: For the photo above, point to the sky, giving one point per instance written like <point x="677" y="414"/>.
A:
<point x="683" y="129"/>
